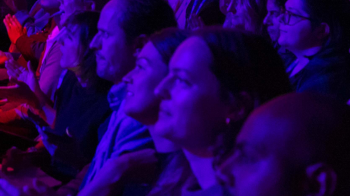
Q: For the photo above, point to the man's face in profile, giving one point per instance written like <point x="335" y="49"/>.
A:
<point x="114" y="55"/>
<point x="258" y="166"/>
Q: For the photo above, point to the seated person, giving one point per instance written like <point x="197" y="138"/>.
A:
<point x="81" y="99"/>
<point x="216" y="78"/>
<point x="142" y="104"/>
<point x="317" y="33"/>
<point x="272" y="20"/>
<point x="297" y="144"/>
<point x="247" y="15"/>
<point x="116" y="43"/>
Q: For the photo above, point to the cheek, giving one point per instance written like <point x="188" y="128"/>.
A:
<point x="261" y="179"/>
<point x="197" y="117"/>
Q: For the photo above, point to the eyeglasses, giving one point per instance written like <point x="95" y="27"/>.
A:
<point x="274" y="14"/>
<point x="289" y="18"/>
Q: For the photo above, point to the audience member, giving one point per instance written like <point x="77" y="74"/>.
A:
<point x="317" y="33"/>
<point x="200" y="13"/>
<point x="217" y="77"/>
<point x="297" y="144"/>
<point x="123" y="29"/>
<point x="124" y="26"/>
<point x="247" y="15"/>
<point x="80" y="102"/>
<point x="272" y="20"/>
<point x="143" y="105"/>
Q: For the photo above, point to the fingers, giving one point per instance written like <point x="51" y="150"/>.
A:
<point x="3" y="101"/>
<point x="30" y="67"/>
<point x="15" y="20"/>
<point x="7" y="22"/>
<point x="13" y="69"/>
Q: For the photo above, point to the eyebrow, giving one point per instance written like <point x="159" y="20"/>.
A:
<point x="293" y="9"/>
<point x="243" y="146"/>
<point x="143" y="58"/>
<point x="177" y="70"/>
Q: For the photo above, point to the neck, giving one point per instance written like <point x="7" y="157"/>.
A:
<point x="202" y="168"/>
<point x="82" y="83"/>
<point x="161" y="144"/>
<point x="302" y="58"/>
<point x="302" y="54"/>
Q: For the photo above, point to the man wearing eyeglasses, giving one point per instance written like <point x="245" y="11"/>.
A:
<point x="317" y="32"/>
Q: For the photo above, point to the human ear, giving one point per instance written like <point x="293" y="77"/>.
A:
<point x="322" y="31"/>
<point x="321" y="180"/>
<point x="239" y="106"/>
<point x="90" y="5"/>
<point x="139" y="42"/>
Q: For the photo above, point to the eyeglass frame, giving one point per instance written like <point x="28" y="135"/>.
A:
<point x="290" y="14"/>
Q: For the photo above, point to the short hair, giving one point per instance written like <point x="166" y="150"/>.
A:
<point x="336" y="14"/>
<point x="244" y="63"/>
<point x="167" y="40"/>
<point x="145" y="17"/>
<point x="87" y="22"/>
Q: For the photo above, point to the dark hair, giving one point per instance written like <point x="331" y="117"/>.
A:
<point x="99" y="4"/>
<point x="145" y="17"/>
<point x="244" y="63"/>
<point x="281" y="3"/>
<point x="256" y="10"/>
<point x="87" y="22"/>
<point x="167" y="40"/>
<point x="336" y="14"/>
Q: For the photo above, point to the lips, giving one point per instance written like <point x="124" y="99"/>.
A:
<point x="163" y="111"/>
<point x="99" y="56"/>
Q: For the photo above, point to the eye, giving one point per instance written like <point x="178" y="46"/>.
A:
<point x="182" y="81"/>
<point x="139" y="67"/>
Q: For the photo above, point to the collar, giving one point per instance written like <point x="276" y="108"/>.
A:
<point x="116" y="95"/>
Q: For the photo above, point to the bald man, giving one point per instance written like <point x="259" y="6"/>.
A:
<point x="297" y="144"/>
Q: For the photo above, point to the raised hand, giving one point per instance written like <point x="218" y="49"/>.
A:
<point x="17" y="74"/>
<point x="14" y="28"/>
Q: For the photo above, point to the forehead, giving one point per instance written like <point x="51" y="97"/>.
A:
<point x="272" y="5"/>
<point x="150" y="52"/>
<point x="192" y="54"/>
<point x="295" y="5"/>
<point x="267" y="130"/>
<point x="110" y="15"/>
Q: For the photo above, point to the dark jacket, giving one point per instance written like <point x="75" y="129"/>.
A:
<point x="327" y="73"/>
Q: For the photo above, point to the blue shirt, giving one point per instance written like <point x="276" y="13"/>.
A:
<point x="123" y="135"/>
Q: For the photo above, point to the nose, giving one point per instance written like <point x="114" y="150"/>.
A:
<point x="128" y="78"/>
<point x="267" y="19"/>
<point x="232" y="7"/>
<point x="96" y="42"/>
<point x="281" y="18"/>
<point x="162" y="90"/>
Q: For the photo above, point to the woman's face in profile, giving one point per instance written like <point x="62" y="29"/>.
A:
<point x="191" y="108"/>
<point x="69" y="39"/>
<point x="141" y="102"/>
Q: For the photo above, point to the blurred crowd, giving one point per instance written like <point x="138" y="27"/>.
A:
<point x="175" y="97"/>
